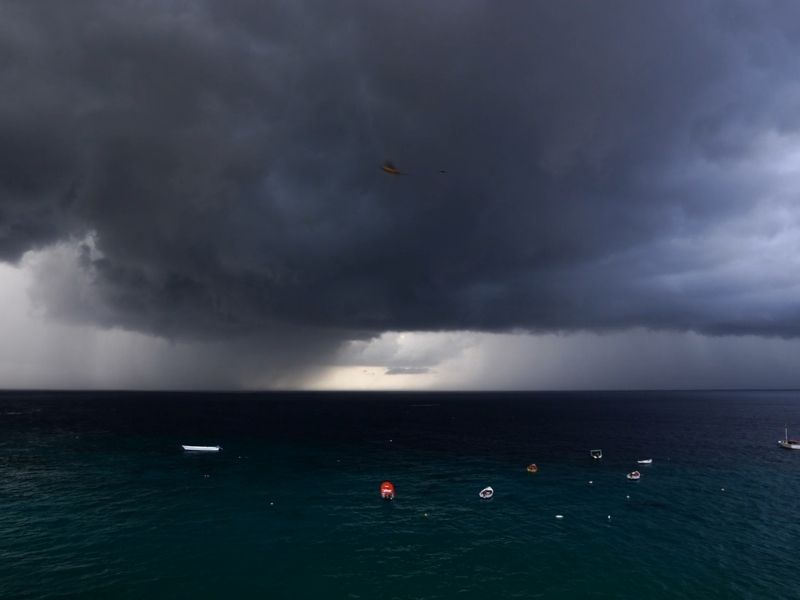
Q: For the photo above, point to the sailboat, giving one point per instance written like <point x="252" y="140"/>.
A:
<point x="786" y="442"/>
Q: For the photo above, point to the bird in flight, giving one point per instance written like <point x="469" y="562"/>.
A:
<point x="388" y="167"/>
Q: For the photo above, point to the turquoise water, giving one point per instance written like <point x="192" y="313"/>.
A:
<point x="98" y="500"/>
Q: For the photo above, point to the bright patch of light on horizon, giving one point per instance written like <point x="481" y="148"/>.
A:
<point x="367" y="378"/>
<point x="630" y="359"/>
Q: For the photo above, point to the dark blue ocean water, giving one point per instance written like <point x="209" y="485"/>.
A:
<point x="98" y="500"/>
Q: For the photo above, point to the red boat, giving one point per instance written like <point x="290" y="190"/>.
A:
<point x="387" y="490"/>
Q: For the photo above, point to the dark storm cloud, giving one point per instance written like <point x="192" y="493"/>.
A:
<point x="224" y="157"/>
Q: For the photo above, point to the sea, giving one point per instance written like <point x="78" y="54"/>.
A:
<point x="98" y="499"/>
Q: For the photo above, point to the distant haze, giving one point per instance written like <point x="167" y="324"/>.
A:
<point x="194" y="191"/>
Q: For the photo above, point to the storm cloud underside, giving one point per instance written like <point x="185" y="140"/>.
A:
<point x="214" y="167"/>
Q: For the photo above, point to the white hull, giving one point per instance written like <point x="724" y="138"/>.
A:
<point x="647" y="461"/>
<point x="201" y="448"/>
<point x="787" y="443"/>
<point x="486" y="493"/>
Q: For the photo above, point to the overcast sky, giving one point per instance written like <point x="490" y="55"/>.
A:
<point x="191" y="194"/>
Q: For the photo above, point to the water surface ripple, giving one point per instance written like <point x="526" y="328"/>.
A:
<point x="98" y="500"/>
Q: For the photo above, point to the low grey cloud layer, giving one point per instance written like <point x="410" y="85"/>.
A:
<point x="609" y="165"/>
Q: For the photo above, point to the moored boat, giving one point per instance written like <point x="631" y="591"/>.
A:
<point x="596" y="454"/>
<point x="646" y="461"/>
<point x="486" y="493"/>
<point x="387" y="490"/>
<point x="201" y="448"/>
<point x="787" y="443"/>
<point x="634" y="475"/>
<point x="532" y="468"/>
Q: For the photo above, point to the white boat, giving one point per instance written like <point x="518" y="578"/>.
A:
<point x="596" y="454"/>
<point x="787" y="443"/>
<point x="201" y="448"/>
<point x="486" y="493"/>
<point x="634" y="475"/>
<point x="646" y="461"/>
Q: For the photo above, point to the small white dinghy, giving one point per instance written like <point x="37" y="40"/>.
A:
<point x="646" y="461"/>
<point x="201" y="448"/>
<point x="486" y="493"/>
<point x="634" y="475"/>
<point x="596" y="454"/>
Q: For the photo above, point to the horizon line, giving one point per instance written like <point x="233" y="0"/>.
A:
<point x="380" y="391"/>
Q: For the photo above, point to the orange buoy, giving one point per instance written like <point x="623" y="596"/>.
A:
<point x="387" y="490"/>
<point x="532" y="468"/>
